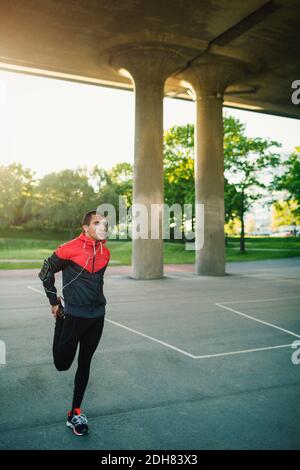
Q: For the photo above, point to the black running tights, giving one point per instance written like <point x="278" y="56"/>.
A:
<point x="68" y="333"/>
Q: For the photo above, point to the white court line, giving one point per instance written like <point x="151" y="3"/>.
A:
<point x="258" y="300"/>
<point x="152" y="338"/>
<point x="181" y="351"/>
<point x="35" y="290"/>
<point x="136" y="332"/>
<point x="257" y="320"/>
<point x="268" y="348"/>
<point x="206" y="356"/>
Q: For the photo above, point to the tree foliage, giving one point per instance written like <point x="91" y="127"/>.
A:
<point x="247" y="165"/>
<point x="16" y="193"/>
<point x="290" y="182"/>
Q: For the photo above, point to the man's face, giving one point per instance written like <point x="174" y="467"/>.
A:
<point x="98" y="228"/>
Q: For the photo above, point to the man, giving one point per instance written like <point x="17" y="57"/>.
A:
<point x="83" y="262"/>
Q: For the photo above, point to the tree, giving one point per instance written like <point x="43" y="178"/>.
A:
<point x="121" y="178"/>
<point x="179" y="186"/>
<point x="248" y="164"/>
<point x="285" y="213"/>
<point x="63" y="198"/>
<point x="112" y="184"/>
<point x="290" y="181"/>
<point x="16" y="190"/>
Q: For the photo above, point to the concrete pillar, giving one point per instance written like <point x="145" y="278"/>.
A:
<point x="149" y="67"/>
<point x="209" y="79"/>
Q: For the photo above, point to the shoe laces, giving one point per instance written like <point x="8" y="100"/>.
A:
<point x="79" y="419"/>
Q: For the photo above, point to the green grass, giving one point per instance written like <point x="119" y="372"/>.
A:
<point x="49" y="234"/>
<point x="24" y="247"/>
<point x="268" y="242"/>
<point x="255" y="246"/>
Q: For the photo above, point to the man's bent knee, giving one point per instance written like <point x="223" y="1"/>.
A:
<point x="62" y="365"/>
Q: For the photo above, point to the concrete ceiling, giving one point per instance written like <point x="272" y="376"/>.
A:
<point x="73" y="39"/>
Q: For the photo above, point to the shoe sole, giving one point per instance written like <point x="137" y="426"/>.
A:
<point x="70" y="426"/>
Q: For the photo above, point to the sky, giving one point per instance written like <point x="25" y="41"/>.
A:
<point x="49" y="125"/>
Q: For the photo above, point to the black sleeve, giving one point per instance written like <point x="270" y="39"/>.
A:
<point x="51" y="266"/>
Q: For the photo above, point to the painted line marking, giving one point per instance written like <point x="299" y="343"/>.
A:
<point x="170" y="346"/>
<point x="185" y="353"/>
<point x="268" y="348"/>
<point x="35" y="290"/>
<point x="258" y="300"/>
<point x="249" y="317"/>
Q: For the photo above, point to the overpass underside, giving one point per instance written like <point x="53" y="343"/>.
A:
<point x="214" y="52"/>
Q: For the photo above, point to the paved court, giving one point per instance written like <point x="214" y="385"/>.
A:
<point x="185" y="362"/>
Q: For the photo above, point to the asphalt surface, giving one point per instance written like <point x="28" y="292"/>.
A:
<point x="185" y="362"/>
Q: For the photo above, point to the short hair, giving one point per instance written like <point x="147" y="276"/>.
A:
<point x="87" y="217"/>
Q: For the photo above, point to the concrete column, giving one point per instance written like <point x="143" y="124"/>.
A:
<point x="149" y="67"/>
<point x="209" y="79"/>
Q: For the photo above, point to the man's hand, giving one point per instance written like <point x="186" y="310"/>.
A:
<point x="55" y="310"/>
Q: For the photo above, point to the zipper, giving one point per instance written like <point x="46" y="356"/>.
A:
<point x="93" y="265"/>
<point x="94" y="257"/>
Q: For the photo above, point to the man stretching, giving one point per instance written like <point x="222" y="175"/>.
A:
<point x="80" y="320"/>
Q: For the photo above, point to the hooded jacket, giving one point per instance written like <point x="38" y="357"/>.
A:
<point x="83" y="262"/>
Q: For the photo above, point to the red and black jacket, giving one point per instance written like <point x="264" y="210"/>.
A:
<point x="83" y="262"/>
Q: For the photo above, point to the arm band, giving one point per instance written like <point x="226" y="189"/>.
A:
<point x="44" y="271"/>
